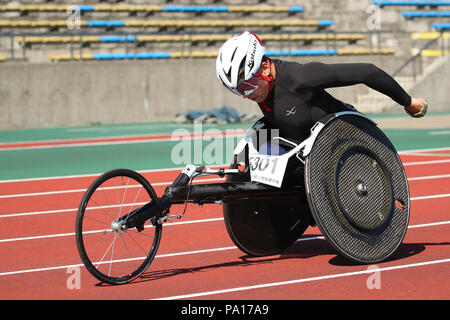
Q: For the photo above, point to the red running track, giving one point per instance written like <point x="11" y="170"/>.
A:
<point x="197" y="259"/>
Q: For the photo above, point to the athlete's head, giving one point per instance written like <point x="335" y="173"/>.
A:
<point x="239" y="62"/>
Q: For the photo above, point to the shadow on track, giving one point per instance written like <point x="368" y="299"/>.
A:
<point x="299" y="250"/>
<point x="405" y="250"/>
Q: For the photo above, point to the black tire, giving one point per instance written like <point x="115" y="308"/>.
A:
<point x="262" y="227"/>
<point x="102" y="204"/>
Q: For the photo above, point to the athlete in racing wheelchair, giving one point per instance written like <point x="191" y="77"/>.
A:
<point x="293" y="99"/>
<point x="319" y="162"/>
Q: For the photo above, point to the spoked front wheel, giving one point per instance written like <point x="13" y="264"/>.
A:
<point x="111" y="252"/>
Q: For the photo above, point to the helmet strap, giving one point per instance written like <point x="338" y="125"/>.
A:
<point x="268" y="78"/>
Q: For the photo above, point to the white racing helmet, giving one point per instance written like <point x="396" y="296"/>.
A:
<point x="239" y="59"/>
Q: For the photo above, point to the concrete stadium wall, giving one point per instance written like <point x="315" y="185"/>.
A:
<point x="82" y="93"/>
<point x="434" y="85"/>
<point x="85" y="93"/>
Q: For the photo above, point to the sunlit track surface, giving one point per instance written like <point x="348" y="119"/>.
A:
<point x="197" y="259"/>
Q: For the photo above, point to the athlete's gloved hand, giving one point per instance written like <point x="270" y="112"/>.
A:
<point x="418" y="108"/>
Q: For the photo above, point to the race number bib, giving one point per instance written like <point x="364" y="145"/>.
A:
<point x="267" y="169"/>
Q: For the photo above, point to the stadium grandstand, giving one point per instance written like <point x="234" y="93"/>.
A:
<point x="114" y="30"/>
<point x="403" y="37"/>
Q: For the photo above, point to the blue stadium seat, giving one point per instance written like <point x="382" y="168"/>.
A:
<point x="153" y="55"/>
<point x="205" y="23"/>
<point x="113" y="56"/>
<point x="106" y="24"/>
<point x="167" y="55"/>
<point x="300" y="52"/>
<point x="326" y="23"/>
<point x="195" y="9"/>
<point x="86" y="8"/>
<point x="411" y="3"/>
<point x="86" y="38"/>
<point x="155" y="8"/>
<point x="140" y="55"/>
<point x="441" y="26"/>
<point x="296" y="9"/>
<point x="118" y="39"/>
<point x="199" y="9"/>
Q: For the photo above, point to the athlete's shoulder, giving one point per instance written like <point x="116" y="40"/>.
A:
<point x="290" y="75"/>
<point x="285" y="65"/>
<point x="286" y="69"/>
<point x="294" y="68"/>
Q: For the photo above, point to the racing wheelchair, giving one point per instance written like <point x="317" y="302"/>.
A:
<point x="346" y="178"/>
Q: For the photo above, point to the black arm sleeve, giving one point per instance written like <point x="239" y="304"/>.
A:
<point x="320" y="75"/>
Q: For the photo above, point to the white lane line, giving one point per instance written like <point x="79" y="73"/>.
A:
<point x="33" y="194"/>
<point x="193" y="252"/>
<point x="431" y="155"/>
<point x="93" y="175"/>
<point x="442" y="176"/>
<point x="71" y="234"/>
<point x="432" y="224"/>
<point x="37" y="212"/>
<point x="430" y="197"/>
<point x="82" y="144"/>
<point x="91" y="142"/>
<point x="302" y="280"/>
<point x="408" y="152"/>
<point x="420" y="163"/>
<point x="89" y="139"/>
<point x="445" y="132"/>
<point x="123" y="260"/>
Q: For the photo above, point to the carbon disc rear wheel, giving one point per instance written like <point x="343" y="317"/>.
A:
<point x="357" y="189"/>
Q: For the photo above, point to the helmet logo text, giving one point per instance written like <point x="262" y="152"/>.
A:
<point x="251" y="63"/>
